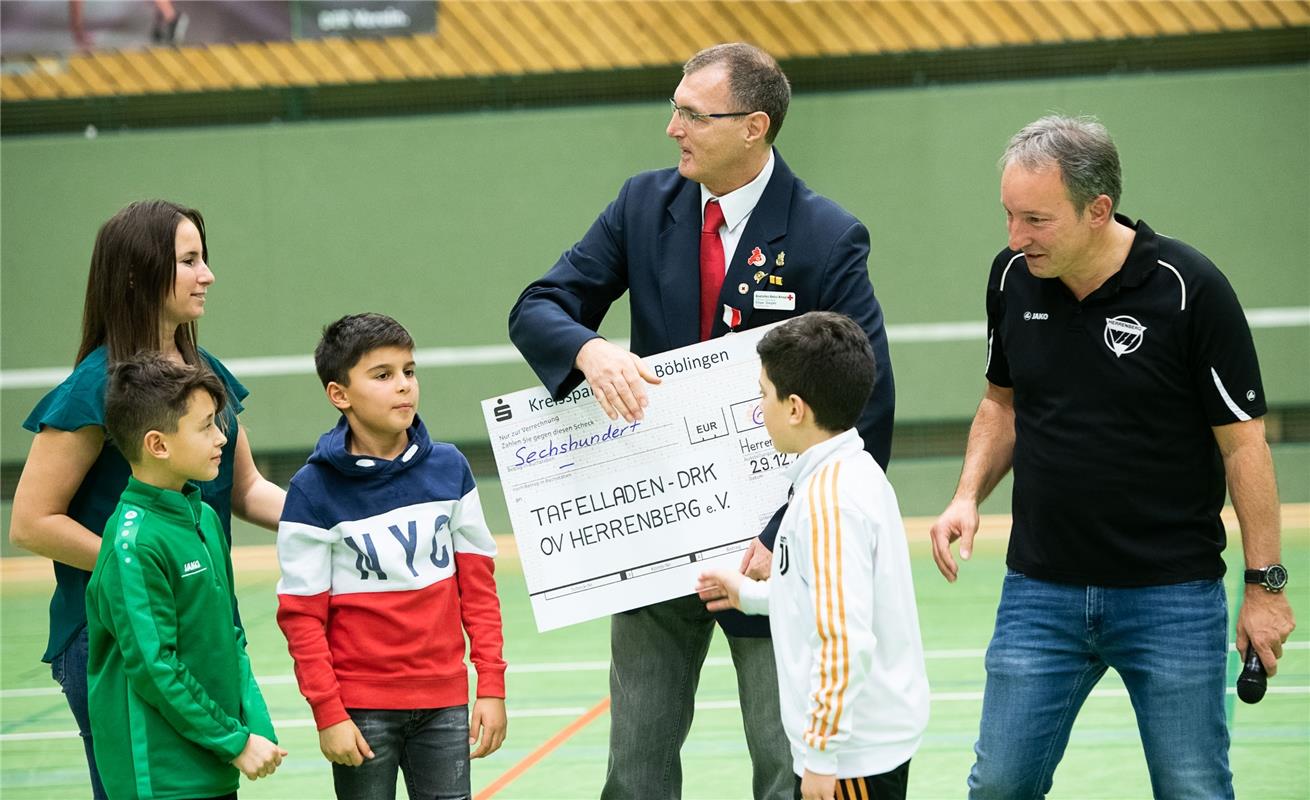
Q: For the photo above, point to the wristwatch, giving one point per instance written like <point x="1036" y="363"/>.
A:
<point x="1272" y="577"/>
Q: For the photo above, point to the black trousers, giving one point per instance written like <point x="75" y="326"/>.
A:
<point x="887" y="786"/>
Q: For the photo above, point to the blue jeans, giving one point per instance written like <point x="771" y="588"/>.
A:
<point x="1051" y="645"/>
<point x="430" y="746"/>
<point x="69" y="671"/>
<point x="656" y="655"/>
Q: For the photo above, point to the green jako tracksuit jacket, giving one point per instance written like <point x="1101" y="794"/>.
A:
<point x="172" y="697"/>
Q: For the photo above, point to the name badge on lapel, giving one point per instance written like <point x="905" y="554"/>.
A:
<point x="775" y="301"/>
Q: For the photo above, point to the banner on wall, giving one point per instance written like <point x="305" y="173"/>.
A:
<point x="51" y="27"/>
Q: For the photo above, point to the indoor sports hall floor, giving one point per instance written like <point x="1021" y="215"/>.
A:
<point x="557" y="699"/>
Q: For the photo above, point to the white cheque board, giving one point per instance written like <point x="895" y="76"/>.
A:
<point x="610" y="516"/>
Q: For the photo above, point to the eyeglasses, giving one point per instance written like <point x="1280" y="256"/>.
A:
<point x="688" y="116"/>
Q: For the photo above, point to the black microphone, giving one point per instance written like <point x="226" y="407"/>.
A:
<point x="1251" y="683"/>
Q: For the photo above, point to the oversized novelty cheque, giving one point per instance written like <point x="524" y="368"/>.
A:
<point x="610" y="516"/>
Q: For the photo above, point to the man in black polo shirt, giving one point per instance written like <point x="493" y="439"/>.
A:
<point x="1123" y="388"/>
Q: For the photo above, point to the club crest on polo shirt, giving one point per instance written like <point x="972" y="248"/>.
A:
<point x="1123" y="335"/>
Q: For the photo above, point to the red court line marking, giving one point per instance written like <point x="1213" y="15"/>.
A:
<point x="543" y="751"/>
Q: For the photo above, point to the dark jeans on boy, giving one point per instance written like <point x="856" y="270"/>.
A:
<point x="430" y="747"/>
<point x="69" y="671"/>
<point x="887" y="786"/>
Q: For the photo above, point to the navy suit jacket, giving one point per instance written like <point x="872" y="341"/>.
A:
<point x="647" y="243"/>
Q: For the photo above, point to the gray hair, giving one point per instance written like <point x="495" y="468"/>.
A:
<point x="1080" y="146"/>
<point x="755" y="80"/>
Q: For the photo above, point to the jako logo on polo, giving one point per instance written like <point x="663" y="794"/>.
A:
<point x="1123" y="335"/>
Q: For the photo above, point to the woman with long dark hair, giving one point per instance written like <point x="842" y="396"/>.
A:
<point x="148" y="285"/>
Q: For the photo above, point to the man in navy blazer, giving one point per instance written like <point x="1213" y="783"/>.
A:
<point x="787" y="251"/>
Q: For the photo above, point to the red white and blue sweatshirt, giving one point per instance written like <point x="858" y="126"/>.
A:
<point x="385" y="566"/>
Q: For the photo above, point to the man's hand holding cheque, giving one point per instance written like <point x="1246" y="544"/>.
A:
<point x="617" y="378"/>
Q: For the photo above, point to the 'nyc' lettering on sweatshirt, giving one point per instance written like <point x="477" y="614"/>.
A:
<point x="386" y="565"/>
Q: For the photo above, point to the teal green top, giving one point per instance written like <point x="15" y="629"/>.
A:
<point x="171" y="694"/>
<point x="80" y="401"/>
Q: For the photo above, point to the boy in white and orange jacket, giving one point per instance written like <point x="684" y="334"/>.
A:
<point x="386" y="564"/>
<point x="840" y="599"/>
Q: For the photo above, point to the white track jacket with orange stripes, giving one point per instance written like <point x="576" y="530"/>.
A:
<point x="840" y="599"/>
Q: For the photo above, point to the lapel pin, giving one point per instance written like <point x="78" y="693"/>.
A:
<point x="782" y="256"/>
<point x="775" y="280"/>
<point x="759" y="276"/>
<point x="743" y="288"/>
<point x="756" y="258"/>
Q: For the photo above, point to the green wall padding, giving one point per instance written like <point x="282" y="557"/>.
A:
<point x="440" y="221"/>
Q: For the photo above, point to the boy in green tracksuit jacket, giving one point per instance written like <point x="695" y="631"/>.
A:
<point x="175" y="711"/>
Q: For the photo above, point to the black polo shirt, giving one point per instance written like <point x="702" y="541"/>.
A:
<point x="1118" y="480"/>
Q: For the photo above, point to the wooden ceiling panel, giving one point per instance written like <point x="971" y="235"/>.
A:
<point x="805" y="30"/>
<point x="857" y="28"/>
<point x="453" y="37"/>
<point x="257" y="61"/>
<point x="1012" y="28"/>
<point x="89" y="75"/>
<point x="152" y="79"/>
<point x="580" y="42"/>
<point x="1262" y="13"/>
<point x="920" y="35"/>
<point x="1198" y="17"/>
<point x="1165" y="17"/>
<point x="514" y="37"/>
<point x="1297" y="13"/>
<point x="446" y="65"/>
<point x="177" y="71"/>
<point x="285" y="57"/>
<point x="615" y="46"/>
<point x="14" y="87"/>
<point x="117" y="72"/>
<point x="414" y="64"/>
<point x="318" y="59"/>
<point x="661" y="30"/>
<point x="1073" y="25"/>
<point x="762" y="24"/>
<point x="527" y="35"/>
<point x="946" y="29"/>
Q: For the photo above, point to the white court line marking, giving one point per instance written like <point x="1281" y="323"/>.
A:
<point x="566" y="666"/>
<point x="514" y="669"/>
<point x="708" y="705"/>
<point x="480" y="355"/>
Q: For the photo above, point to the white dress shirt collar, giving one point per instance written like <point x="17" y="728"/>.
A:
<point x="738" y="204"/>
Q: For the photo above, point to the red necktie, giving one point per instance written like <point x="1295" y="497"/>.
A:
<point x="712" y="268"/>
